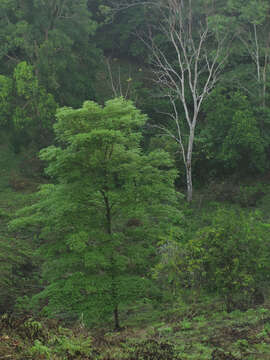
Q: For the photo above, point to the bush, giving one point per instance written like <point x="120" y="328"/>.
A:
<point x="249" y="196"/>
<point x="229" y="257"/>
<point x="153" y="350"/>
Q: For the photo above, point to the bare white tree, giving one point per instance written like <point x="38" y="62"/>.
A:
<point x="189" y="70"/>
<point x="253" y="31"/>
<point x="259" y="51"/>
<point x="193" y="71"/>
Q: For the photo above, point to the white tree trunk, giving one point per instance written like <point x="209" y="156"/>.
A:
<point x="188" y="163"/>
<point x="189" y="182"/>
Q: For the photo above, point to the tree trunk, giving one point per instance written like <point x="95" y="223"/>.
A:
<point x="116" y="318"/>
<point x="189" y="182"/>
<point x="189" y="163"/>
<point x="114" y="289"/>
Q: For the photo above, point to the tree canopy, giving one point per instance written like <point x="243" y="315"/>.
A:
<point x="101" y="219"/>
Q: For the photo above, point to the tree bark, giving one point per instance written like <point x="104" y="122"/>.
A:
<point x="116" y="319"/>
<point x="189" y="160"/>
<point x="189" y="182"/>
<point x="113" y="288"/>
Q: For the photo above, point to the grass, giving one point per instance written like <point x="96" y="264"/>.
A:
<point x="243" y="335"/>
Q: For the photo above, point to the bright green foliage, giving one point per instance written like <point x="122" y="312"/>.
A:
<point x="26" y="105"/>
<point x="252" y="11"/>
<point x="229" y="257"/>
<point x="34" y="104"/>
<point x="64" y="346"/>
<point x="101" y="220"/>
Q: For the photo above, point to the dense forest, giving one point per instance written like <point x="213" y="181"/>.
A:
<point x="135" y="179"/>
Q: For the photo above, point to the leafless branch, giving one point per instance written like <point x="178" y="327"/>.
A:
<point x="193" y="71"/>
<point x="116" y="85"/>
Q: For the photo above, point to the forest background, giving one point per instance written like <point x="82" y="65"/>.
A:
<point x="135" y="141"/>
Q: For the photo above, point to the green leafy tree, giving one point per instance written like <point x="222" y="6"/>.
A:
<point x="118" y="35"/>
<point x="251" y="24"/>
<point x="231" y="140"/>
<point x="101" y="219"/>
<point x="55" y="37"/>
<point x="26" y="106"/>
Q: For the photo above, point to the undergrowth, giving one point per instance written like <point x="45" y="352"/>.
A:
<point x="216" y="335"/>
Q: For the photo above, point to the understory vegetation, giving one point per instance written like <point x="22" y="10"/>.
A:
<point x="135" y="180"/>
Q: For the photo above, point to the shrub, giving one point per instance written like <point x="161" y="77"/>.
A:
<point x="154" y="350"/>
<point x="229" y="257"/>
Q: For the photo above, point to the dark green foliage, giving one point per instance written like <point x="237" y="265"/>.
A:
<point x="231" y="140"/>
<point x="51" y="52"/>
<point x="34" y="339"/>
<point x="18" y="270"/>
<point x="15" y="267"/>
<point x="221" y="355"/>
<point x="118" y="37"/>
<point x="153" y="350"/>
<point x="247" y="196"/>
<point x="55" y="37"/>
